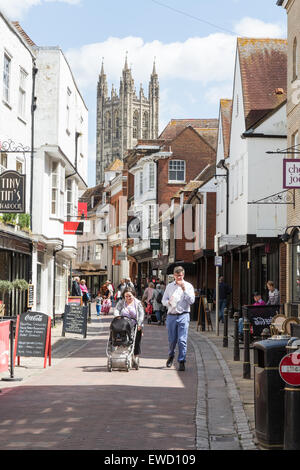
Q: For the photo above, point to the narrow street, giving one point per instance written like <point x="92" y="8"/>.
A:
<point x="77" y="404"/>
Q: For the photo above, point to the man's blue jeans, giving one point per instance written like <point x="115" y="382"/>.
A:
<point x="178" y="327"/>
<point x="222" y="305"/>
<point x="158" y="315"/>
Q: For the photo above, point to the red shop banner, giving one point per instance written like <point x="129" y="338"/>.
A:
<point x="4" y="345"/>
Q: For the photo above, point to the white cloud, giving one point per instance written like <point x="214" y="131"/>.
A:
<point x="16" y="9"/>
<point x="198" y="59"/>
<point x="215" y="93"/>
<point x="253" y="27"/>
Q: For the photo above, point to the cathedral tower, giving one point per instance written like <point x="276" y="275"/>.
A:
<point x="123" y="119"/>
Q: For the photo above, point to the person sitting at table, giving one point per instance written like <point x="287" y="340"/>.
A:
<point x="257" y="301"/>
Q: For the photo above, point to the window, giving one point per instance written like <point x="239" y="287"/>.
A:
<point x="57" y="189"/>
<point x="135" y="124"/>
<point x="19" y="166"/>
<point x="176" y="171"/>
<point x="151" y="175"/>
<point x="22" y="93"/>
<point x="69" y="197"/>
<point x="3" y="162"/>
<point x="6" y="77"/>
<point x="145" y="125"/>
<point x="54" y="188"/>
<point x="68" y="110"/>
<point x="141" y="183"/>
<point x="98" y="251"/>
<point x="295" y="60"/>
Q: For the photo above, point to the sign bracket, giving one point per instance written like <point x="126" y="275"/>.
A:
<point x="283" y="197"/>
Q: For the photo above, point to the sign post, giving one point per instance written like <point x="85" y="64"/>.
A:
<point x="289" y="368"/>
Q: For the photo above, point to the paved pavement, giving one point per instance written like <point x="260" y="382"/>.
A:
<point x="77" y="404"/>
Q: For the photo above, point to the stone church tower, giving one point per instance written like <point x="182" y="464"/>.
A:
<point x="123" y="119"/>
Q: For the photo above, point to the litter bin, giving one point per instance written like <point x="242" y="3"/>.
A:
<point x="269" y="392"/>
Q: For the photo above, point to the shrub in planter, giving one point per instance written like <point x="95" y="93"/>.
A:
<point x="20" y="284"/>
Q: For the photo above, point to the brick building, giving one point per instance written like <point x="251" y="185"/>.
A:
<point x="290" y="251"/>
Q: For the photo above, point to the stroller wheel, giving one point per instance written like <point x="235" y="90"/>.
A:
<point x="109" y="365"/>
<point x="127" y="365"/>
<point x="136" y="363"/>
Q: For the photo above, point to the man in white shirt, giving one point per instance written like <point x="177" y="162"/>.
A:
<point x="178" y="298"/>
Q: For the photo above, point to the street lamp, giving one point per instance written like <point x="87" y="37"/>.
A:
<point x="286" y="236"/>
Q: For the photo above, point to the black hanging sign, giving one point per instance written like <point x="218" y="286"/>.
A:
<point x="12" y="192"/>
<point x="75" y="319"/>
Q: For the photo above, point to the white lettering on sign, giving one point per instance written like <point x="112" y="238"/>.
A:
<point x="291" y="369"/>
<point x="33" y="318"/>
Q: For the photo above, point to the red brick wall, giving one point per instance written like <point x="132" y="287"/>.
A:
<point x="188" y="146"/>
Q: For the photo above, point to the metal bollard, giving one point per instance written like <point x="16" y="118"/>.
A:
<point x="90" y="313"/>
<point x="236" y="348"/>
<point x="12" y="377"/>
<point x="225" y="333"/>
<point x="246" y="364"/>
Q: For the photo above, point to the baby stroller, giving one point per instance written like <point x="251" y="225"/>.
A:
<point x="120" y="345"/>
<point x="151" y="316"/>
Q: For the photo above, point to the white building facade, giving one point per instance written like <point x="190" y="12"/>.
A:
<point x="60" y="174"/>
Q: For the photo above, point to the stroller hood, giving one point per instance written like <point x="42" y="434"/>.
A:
<point x="120" y="325"/>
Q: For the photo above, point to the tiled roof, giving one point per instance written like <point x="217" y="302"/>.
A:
<point x="207" y="173"/>
<point x="263" y="64"/>
<point x="115" y="166"/>
<point x="95" y="191"/>
<point x="22" y="33"/>
<point x="175" y="126"/>
<point x="225" y="112"/>
<point x="209" y="135"/>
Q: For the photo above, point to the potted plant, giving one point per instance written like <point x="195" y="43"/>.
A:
<point x="5" y="286"/>
<point x="20" y="284"/>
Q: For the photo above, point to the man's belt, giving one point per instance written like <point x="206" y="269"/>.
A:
<point x="177" y="313"/>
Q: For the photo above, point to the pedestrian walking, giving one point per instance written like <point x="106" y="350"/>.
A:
<point x="178" y="298"/>
<point x="224" y="291"/>
<point x="129" y="306"/>
<point x="98" y="303"/>
<point x="85" y="292"/>
<point x="157" y="296"/>
<point x="76" y="291"/>
<point x="274" y="296"/>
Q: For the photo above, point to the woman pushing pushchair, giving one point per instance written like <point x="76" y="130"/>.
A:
<point x="131" y="309"/>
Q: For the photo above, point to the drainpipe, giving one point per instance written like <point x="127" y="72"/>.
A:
<point x="33" y="108"/>
<point x="54" y="278"/>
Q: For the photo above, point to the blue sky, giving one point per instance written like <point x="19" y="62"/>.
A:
<point x="193" y="42"/>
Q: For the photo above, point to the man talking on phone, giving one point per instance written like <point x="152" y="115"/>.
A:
<point x="178" y="298"/>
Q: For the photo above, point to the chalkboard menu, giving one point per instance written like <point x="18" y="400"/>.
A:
<point x="30" y="295"/>
<point x="75" y="319"/>
<point x="33" y="335"/>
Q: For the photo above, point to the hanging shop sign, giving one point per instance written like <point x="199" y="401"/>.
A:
<point x="12" y="192"/>
<point x="291" y="173"/>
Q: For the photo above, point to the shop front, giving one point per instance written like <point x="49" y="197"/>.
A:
<point x="15" y="263"/>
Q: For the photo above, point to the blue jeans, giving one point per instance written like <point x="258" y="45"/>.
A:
<point x="98" y="308"/>
<point x="222" y="305"/>
<point x="158" y="315"/>
<point x="178" y="327"/>
<point x="241" y="326"/>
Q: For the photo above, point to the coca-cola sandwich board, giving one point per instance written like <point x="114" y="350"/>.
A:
<point x="33" y="336"/>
